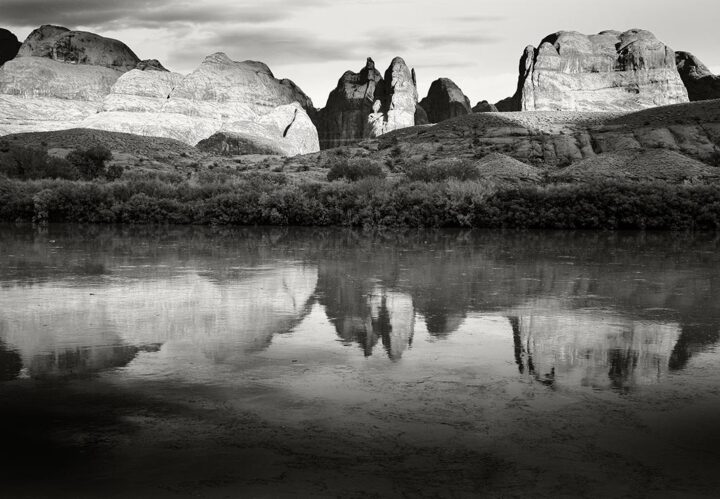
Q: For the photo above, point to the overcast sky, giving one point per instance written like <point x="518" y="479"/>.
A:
<point x="476" y="43"/>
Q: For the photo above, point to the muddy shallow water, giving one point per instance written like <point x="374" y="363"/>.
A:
<point x="172" y="362"/>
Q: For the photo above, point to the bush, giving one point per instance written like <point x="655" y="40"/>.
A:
<point x="441" y="170"/>
<point x="28" y="163"/>
<point x="90" y="162"/>
<point x="355" y="169"/>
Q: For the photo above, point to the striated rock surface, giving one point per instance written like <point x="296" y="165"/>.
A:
<point x="9" y="46"/>
<point x="286" y="131"/>
<point x="78" y="47"/>
<point x="445" y="100"/>
<point x="240" y="99"/>
<point x="366" y="105"/>
<point x="58" y="78"/>
<point x="485" y="107"/>
<point x="700" y="82"/>
<point x="38" y="94"/>
<point x="610" y="71"/>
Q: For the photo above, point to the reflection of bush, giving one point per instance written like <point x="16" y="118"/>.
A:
<point x="275" y="199"/>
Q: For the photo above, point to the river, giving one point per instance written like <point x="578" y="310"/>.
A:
<point x="271" y="362"/>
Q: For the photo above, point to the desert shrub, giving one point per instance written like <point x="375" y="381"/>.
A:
<point x="442" y="169"/>
<point x="90" y="162"/>
<point x="114" y="172"/>
<point x="355" y="169"/>
<point x="368" y="202"/>
<point x="28" y="163"/>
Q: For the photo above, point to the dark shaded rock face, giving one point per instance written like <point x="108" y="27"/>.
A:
<point x="445" y="100"/>
<point x="366" y="105"/>
<point x="9" y="46"/>
<point x="484" y="107"/>
<point x="78" y="47"/>
<point x="700" y="82"/>
<point x="150" y="65"/>
<point x="610" y="71"/>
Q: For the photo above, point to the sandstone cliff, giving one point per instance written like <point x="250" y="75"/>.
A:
<point x="9" y="46"/>
<point x="700" y="82"/>
<point x="610" y="71"/>
<point x="445" y="100"/>
<point x="238" y="98"/>
<point x="58" y="78"/>
<point x="365" y="104"/>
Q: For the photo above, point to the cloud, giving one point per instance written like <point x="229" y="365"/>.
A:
<point x="141" y="13"/>
<point x="273" y="46"/>
<point x="475" y="19"/>
<point x="456" y="39"/>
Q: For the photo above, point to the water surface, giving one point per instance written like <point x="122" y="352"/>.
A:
<point x="439" y="341"/>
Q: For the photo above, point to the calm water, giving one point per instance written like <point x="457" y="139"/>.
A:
<point x="584" y="310"/>
<point x="166" y="362"/>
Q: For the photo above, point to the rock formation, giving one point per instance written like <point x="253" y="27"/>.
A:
<point x="78" y="47"/>
<point x="365" y="104"/>
<point x="610" y="71"/>
<point x="9" y="46"/>
<point x="445" y="100"/>
<point x="700" y="82"/>
<point x="243" y="100"/>
<point x="485" y="107"/>
<point x="58" y="78"/>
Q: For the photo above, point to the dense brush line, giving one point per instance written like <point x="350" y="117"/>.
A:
<point x="270" y="199"/>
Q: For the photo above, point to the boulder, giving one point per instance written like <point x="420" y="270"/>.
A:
<point x="485" y="107"/>
<point x="243" y="100"/>
<point x="366" y="105"/>
<point x="610" y="71"/>
<point x="700" y="82"/>
<point x="78" y="47"/>
<point x="445" y="100"/>
<point x="9" y="46"/>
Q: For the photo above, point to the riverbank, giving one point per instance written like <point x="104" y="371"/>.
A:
<point x="267" y="198"/>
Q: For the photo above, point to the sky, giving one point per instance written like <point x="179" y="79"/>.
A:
<point x="476" y="43"/>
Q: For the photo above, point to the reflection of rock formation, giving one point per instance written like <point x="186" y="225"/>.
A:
<point x="368" y="316"/>
<point x="81" y="329"/>
<point x="84" y="361"/>
<point x="694" y="339"/>
<point x="590" y="348"/>
<point x="10" y="363"/>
